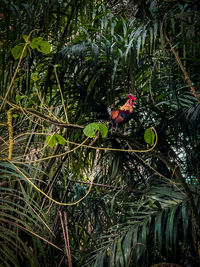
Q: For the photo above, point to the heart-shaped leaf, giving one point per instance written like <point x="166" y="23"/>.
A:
<point x="91" y="129"/>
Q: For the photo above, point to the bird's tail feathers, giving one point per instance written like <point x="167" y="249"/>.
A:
<point x="102" y="109"/>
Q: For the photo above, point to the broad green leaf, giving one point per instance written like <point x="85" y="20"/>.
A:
<point x="149" y="136"/>
<point x="51" y="141"/>
<point x="91" y="129"/>
<point x="16" y="51"/>
<point x="41" y="45"/>
<point x="55" y="139"/>
<point x="103" y="129"/>
<point x="60" y="139"/>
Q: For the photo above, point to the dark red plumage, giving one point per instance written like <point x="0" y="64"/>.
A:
<point x="122" y="114"/>
<point x="117" y="116"/>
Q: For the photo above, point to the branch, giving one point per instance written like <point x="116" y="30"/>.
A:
<point x="48" y="119"/>
<point x="39" y="115"/>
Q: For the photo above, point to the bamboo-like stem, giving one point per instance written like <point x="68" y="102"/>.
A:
<point x="64" y="235"/>
<point x="67" y="237"/>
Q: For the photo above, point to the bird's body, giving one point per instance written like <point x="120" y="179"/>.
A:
<point x="118" y="116"/>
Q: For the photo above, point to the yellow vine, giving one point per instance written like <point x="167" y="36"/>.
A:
<point x="122" y="150"/>
<point x="53" y="200"/>
<point x="78" y="145"/>
<point x="97" y="148"/>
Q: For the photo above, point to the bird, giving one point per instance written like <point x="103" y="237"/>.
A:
<point x="117" y="116"/>
<point x="122" y="115"/>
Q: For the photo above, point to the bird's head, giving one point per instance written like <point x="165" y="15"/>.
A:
<point x="131" y="100"/>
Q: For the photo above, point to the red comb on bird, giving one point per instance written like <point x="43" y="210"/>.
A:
<point x="131" y="97"/>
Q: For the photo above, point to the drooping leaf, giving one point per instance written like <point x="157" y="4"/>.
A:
<point x="55" y="139"/>
<point x="16" y="51"/>
<point x="91" y="129"/>
<point x="41" y="45"/>
<point x="149" y="136"/>
<point x="60" y="139"/>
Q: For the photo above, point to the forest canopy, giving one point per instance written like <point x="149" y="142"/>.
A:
<point x="78" y="186"/>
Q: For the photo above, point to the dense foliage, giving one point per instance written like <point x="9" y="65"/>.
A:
<point x="57" y="59"/>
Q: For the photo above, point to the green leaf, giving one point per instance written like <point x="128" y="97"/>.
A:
<point x="16" y="51"/>
<point x="55" y="139"/>
<point x="41" y="45"/>
<point x="18" y="98"/>
<point x="25" y="37"/>
<point x="149" y="136"/>
<point x="51" y="141"/>
<point x="91" y="129"/>
<point x="60" y="139"/>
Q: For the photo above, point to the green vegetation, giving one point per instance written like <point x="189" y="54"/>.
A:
<point x="74" y="191"/>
